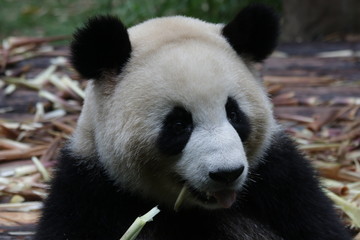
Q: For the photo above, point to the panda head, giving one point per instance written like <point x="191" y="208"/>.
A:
<point x="175" y="101"/>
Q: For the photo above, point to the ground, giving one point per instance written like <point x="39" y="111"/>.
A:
<point x="315" y="89"/>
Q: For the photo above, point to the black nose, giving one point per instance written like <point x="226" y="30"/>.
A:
<point x="226" y="176"/>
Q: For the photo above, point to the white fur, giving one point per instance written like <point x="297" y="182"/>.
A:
<point x="210" y="149"/>
<point x="175" y="61"/>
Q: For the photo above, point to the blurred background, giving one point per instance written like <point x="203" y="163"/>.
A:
<point x="305" y="20"/>
<point x="60" y="17"/>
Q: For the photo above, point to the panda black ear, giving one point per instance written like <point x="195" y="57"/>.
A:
<point x="254" y="32"/>
<point x="101" y="46"/>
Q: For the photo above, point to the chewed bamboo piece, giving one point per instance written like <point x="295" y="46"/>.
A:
<point x="135" y="228"/>
<point x="180" y="199"/>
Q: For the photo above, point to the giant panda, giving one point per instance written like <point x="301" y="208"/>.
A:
<point x="174" y="102"/>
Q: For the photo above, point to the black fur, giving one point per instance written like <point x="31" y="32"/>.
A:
<point x="176" y="131"/>
<point x="85" y="204"/>
<point x="238" y="119"/>
<point x="283" y="195"/>
<point x="102" y="46"/>
<point x="254" y="32"/>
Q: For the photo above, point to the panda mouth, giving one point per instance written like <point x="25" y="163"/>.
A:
<point x="224" y="198"/>
<point x="220" y="198"/>
<point x="204" y="197"/>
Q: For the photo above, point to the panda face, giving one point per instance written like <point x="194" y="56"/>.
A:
<point x="184" y="110"/>
<point x="192" y="114"/>
<point x="212" y="161"/>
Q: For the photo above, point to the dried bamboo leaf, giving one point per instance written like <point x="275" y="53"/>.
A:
<point x="10" y="89"/>
<point x="18" y="71"/>
<point x="59" y="103"/>
<point x="336" y="187"/>
<point x="349" y="175"/>
<point x="349" y="208"/>
<point x="41" y="169"/>
<point x="6" y="220"/>
<point x="55" y="80"/>
<point x="293" y="117"/>
<point x="353" y="155"/>
<point x="322" y="119"/>
<point x="11" y="144"/>
<point x="339" y="53"/>
<point x="14" y="42"/>
<point x="39" y="113"/>
<point x="345" y="101"/>
<point x="22" y="153"/>
<point x="24" y="170"/>
<point x="73" y="86"/>
<point x="43" y="76"/>
<point x="58" y="113"/>
<point x="21" y="126"/>
<point x="22" y="82"/>
<point x="17" y="199"/>
<point x="274" y="88"/>
<point x="319" y="146"/>
<point x="21" y="207"/>
<point x="350" y="135"/>
<point x="63" y="127"/>
<point x="328" y="170"/>
<point x="49" y="154"/>
<point x="312" y="81"/>
<point x="7" y="132"/>
<point x="6" y="110"/>
<point x="353" y="112"/>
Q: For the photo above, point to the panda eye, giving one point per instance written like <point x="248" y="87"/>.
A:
<point x="179" y="121"/>
<point x="233" y="116"/>
<point x="232" y="111"/>
<point x="237" y="119"/>
<point x="176" y="131"/>
<point x="180" y="127"/>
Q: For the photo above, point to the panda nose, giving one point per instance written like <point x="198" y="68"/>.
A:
<point x="226" y="176"/>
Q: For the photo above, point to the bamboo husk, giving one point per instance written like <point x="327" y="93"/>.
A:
<point x="63" y="127"/>
<point x="11" y="144"/>
<point x="21" y="207"/>
<point x="313" y="81"/>
<point x="14" y="154"/>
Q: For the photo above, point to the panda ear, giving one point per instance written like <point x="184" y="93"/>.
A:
<point x="254" y="32"/>
<point x="101" y="46"/>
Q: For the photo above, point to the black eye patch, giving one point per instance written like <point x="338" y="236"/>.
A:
<point x="176" y="131"/>
<point x="238" y="119"/>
